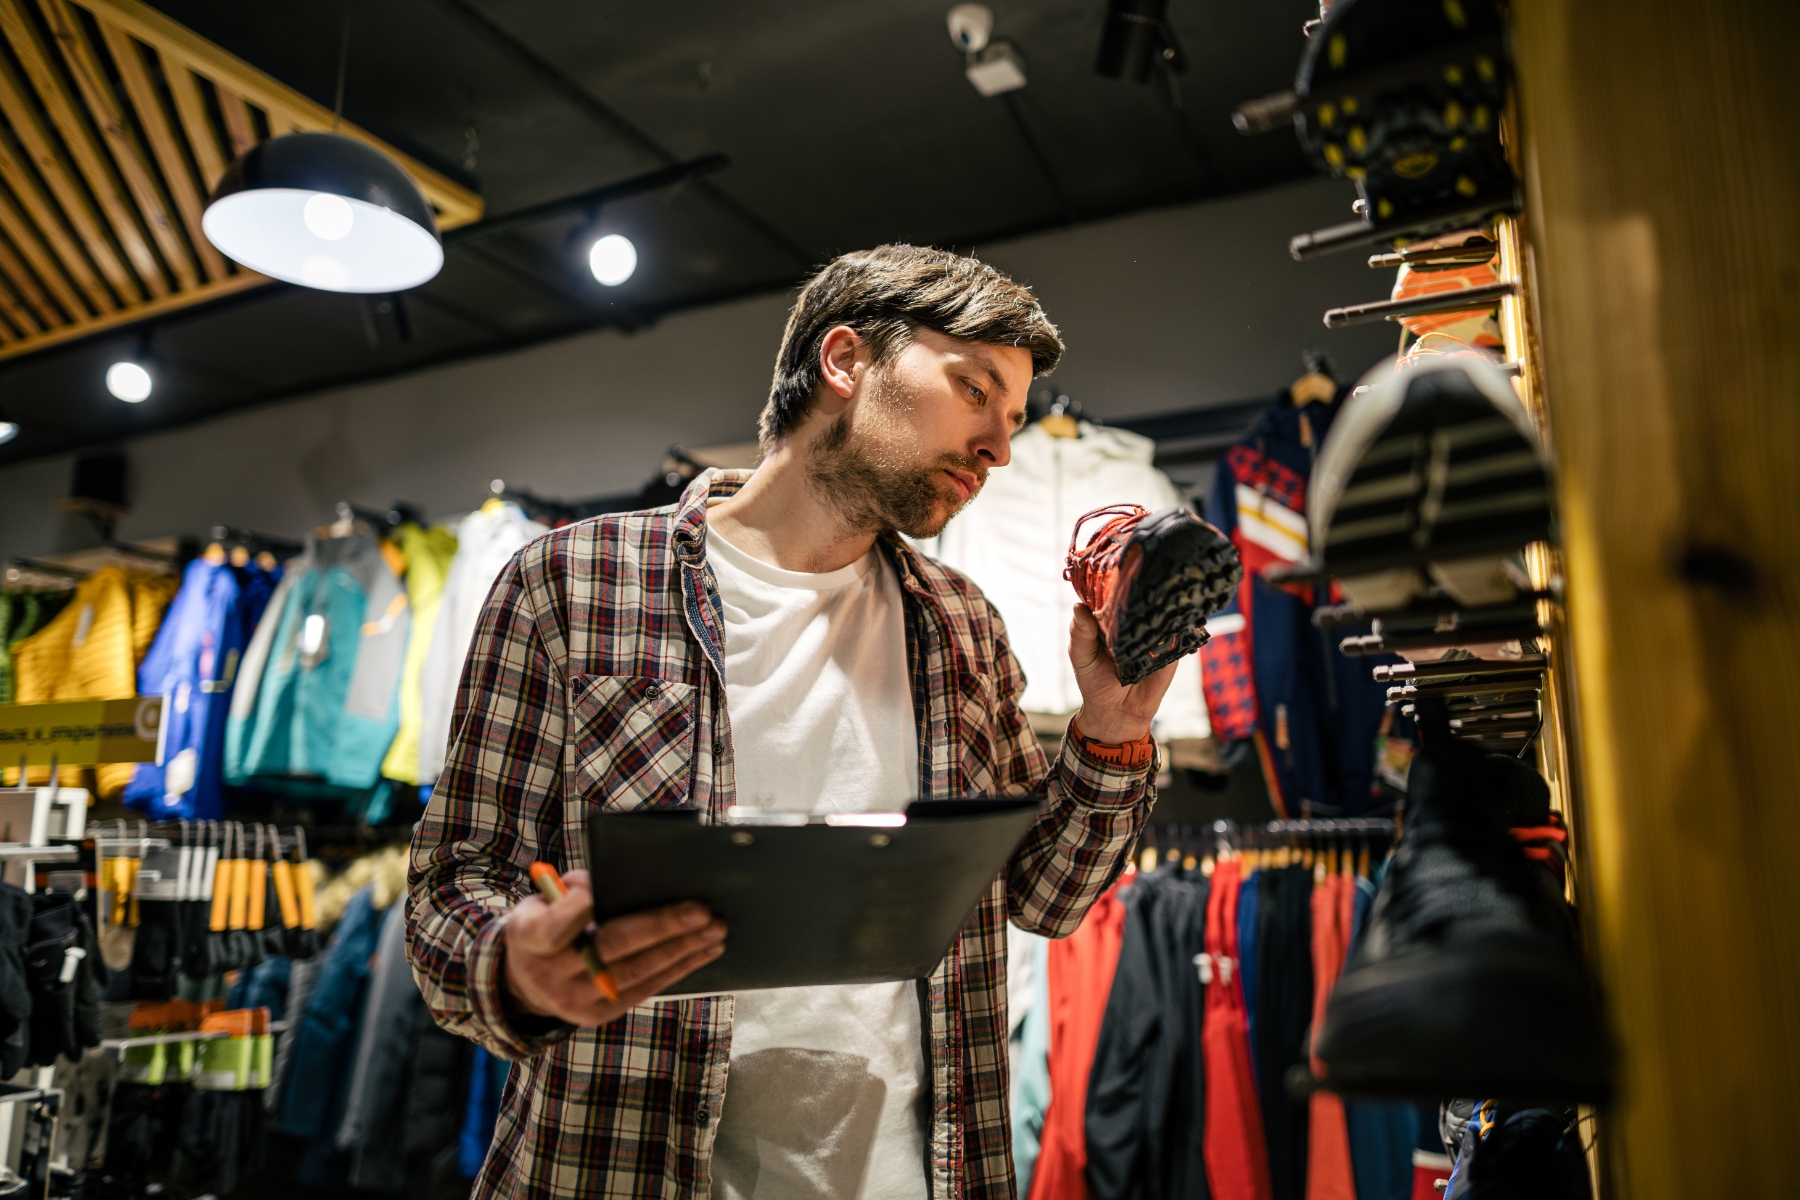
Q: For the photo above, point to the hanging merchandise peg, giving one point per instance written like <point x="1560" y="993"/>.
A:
<point x="1459" y="668"/>
<point x="1418" y="306"/>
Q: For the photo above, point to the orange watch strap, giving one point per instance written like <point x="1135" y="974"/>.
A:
<point x="1128" y="754"/>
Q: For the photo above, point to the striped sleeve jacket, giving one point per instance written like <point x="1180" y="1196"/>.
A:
<point x="596" y="679"/>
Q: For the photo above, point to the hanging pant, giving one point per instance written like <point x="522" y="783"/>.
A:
<point x="1237" y="1164"/>
<point x="1328" y="1172"/>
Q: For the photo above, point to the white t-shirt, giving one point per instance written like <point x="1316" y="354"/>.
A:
<point x="825" y="1088"/>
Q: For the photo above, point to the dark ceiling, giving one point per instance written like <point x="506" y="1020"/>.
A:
<point x="846" y="124"/>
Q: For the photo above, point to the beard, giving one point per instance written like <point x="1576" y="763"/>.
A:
<point x="873" y="488"/>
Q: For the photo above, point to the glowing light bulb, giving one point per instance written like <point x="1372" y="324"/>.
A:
<point x="327" y="216"/>
<point x="323" y="271"/>
<point x="8" y="431"/>
<point x="612" y="259"/>
<point x="129" y="382"/>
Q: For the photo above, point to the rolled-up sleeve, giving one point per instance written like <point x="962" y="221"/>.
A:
<point x="495" y="810"/>
<point x="1093" y="813"/>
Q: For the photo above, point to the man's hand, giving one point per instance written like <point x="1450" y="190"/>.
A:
<point x="646" y="952"/>
<point x="1111" y="712"/>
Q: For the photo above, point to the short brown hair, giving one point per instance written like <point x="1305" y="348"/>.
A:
<point x="886" y="293"/>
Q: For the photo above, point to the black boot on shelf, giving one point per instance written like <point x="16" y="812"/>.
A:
<point x="1470" y="980"/>
<point x="1509" y="1152"/>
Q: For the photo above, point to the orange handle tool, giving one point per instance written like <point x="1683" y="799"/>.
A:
<point x="548" y="881"/>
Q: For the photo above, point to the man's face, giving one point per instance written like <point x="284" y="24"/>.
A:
<point x="916" y="441"/>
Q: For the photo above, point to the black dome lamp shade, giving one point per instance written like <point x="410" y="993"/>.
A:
<point x="325" y="211"/>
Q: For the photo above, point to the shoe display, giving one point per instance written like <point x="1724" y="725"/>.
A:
<point x="1403" y="97"/>
<point x="1434" y="475"/>
<point x="1511" y="1152"/>
<point x="1470" y="979"/>
<point x="1151" y="579"/>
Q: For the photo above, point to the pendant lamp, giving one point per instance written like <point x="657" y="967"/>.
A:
<point x="327" y="212"/>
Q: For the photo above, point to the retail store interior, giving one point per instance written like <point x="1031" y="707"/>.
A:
<point x="368" y="374"/>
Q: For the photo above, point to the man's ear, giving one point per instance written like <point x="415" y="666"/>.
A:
<point x="843" y="357"/>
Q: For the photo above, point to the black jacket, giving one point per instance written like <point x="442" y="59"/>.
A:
<point x="1146" y="1100"/>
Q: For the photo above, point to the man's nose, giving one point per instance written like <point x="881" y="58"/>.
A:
<point x="994" y="444"/>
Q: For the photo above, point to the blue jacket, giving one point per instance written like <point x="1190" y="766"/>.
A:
<point x="192" y="664"/>
<point x="1316" y="711"/>
<point x="325" y="1034"/>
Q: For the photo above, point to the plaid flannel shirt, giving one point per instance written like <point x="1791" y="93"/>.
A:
<point x="597" y="678"/>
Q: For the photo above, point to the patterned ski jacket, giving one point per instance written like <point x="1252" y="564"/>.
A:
<point x="596" y="678"/>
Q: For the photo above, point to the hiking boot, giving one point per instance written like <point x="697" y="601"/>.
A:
<point x="1151" y="579"/>
<point x="1431" y="478"/>
<point x="1469" y="981"/>
<point x="1509" y="1152"/>
<point x="1403" y="98"/>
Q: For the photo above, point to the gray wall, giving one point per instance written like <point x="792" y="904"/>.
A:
<point x="1161" y="311"/>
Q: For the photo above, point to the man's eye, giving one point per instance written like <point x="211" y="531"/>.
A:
<point x="979" y="395"/>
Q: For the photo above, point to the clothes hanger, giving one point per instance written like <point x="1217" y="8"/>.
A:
<point x="1312" y="388"/>
<point x="1062" y="419"/>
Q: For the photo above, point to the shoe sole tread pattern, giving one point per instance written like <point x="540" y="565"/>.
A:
<point x="1189" y="572"/>
<point x="1448" y="477"/>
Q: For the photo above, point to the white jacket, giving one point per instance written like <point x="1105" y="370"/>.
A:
<point x="485" y="542"/>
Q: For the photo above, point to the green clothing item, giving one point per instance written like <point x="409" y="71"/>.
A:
<point x="6" y="671"/>
<point x="428" y="553"/>
<point x="21" y="615"/>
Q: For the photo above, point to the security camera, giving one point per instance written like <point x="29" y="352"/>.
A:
<point x="970" y="25"/>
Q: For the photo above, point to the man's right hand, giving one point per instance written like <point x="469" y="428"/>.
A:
<point x="646" y="952"/>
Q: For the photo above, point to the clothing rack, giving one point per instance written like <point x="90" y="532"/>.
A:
<point x="230" y="536"/>
<point x="1317" y="826"/>
<point x="678" y="469"/>
<point x="378" y="522"/>
<point x="32" y="573"/>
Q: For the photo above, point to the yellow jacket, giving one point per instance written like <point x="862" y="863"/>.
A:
<point x="428" y="553"/>
<point x="90" y="651"/>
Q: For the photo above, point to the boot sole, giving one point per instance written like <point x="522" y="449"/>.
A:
<point x="1500" y="1018"/>
<point x="1189" y="571"/>
<point x="1439" y="467"/>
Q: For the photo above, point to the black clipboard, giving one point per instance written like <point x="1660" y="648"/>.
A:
<point x="816" y="903"/>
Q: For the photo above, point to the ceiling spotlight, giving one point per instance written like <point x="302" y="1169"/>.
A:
<point x="1136" y="39"/>
<point x="129" y="382"/>
<point x="326" y="212"/>
<point x="612" y="259"/>
<point x="8" y="431"/>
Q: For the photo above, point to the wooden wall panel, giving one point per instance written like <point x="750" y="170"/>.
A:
<point x="1664" y="172"/>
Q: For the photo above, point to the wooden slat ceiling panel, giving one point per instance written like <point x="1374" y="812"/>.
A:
<point x="115" y="125"/>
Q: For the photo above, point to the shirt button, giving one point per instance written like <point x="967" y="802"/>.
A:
<point x="652" y="692"/>
<point x="703" y="1118"/>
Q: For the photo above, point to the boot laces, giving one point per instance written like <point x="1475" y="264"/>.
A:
<point x="1090" y="568"/>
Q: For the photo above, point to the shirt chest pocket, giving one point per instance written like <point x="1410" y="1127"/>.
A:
<point x="631" y="740"/>
<point x="975" y="724"/>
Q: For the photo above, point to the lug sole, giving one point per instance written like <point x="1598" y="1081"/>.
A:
<point x="1189" y="571"/>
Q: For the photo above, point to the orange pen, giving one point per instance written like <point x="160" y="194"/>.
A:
<point x="548" y="881"/>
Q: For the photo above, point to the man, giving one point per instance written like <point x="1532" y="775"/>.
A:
<point x="770" y="641"/>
